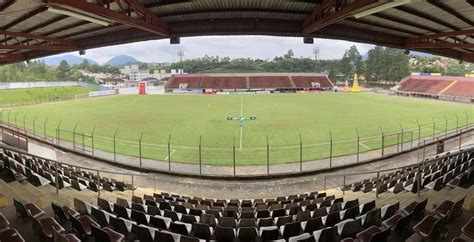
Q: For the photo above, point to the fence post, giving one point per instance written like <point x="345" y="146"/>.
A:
<point x="24" y="124"/>
<point x="44" y="127"/>
<point x="74" y="137"/>
<point x="58" y="131"/>
<point x="434" y="127"/>
<point x="460" y="140"/>
<point x="401" y="140"/>
<point x="8" y="118"/>
<point x="140" y="148"/>
<point x="169" y="153"/>
<point x="115" y="153"/>
<point x="424" y="147"/>
<point x="16" y="114"/>
<point x="419" y="132"/>
<point x="93" y="145"/>
<point x="233" y="155"/>
<point x="301" y="154"/>
<point x="1" y="116"/>
<point x="358" y="145"/>
<point x="457" y="122"/>
<point x="200" y="159"/>
<point x="445" y="127"/>
<point x="411" y="139"/>
<point x="467" y="118"/>
<point x="330" y="149"/>
<point x="268" y="157"/>
<point x="383" y="140"/>
<point x="34" y="129"/>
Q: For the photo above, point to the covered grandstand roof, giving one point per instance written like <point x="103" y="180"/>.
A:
<point x="36" y="28"/>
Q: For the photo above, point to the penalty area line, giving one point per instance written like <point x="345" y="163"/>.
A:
<point x="171" y="153"/>
<point x="367" y="147"/>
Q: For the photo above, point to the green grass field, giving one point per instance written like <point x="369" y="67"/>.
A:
<point x="37" y="95"/>
<point x="283" y="117"/>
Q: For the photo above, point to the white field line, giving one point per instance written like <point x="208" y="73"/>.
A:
<point x="367" y="147"/>
<point x="171" y="153"/>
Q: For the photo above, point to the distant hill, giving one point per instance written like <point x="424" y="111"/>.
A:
<point x="122" y="60"/>
<point x="71" y="60"/>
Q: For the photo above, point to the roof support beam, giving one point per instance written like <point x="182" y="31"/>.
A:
<point x="148" y="21"/>
<point x="467" y="57"/>
<point x="11" y="57"/>
<point x="439" y="40"/>
<point x="34" y="42"/>
<point x="332" y="11"/>
<point x="423" y="15"/>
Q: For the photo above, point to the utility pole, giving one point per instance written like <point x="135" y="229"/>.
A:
<point x="316" y="53"/>
<point x="180" y="56"/>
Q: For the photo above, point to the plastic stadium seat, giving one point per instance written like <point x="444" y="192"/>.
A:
<point x="468" y="229"/>
<point x="398" y="223"/>
<point x="3" y="222"/>
<point x="225" y="233"/>
<point x="449" y="209"/>
<point x="106" y="234"/>
<point x="82" y="225"/>
<point x="389" y="210"/>
<point x="290" y="229"/>
<point x="247" y="234"/>
<point x="371" y="218"/>
<point x="144" y="233"/>
<point x="373" y="234"/>
<point x="11" y="235"/>
<point x="301" y="237"/>
<point x="44" y="227"/>
<point x="429" y="228"/>
<point x="58" y="237"/>
<point x="348" y="228"/>
<point x="328" y="234"/>
<point x="269" y="233"/>
<point x="27" y="210"/>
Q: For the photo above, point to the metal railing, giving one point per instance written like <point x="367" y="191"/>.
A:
<point x="268" y="160"/>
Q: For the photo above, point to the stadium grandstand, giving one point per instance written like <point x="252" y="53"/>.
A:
<point x="249" y="82"/>
<point x="440" y="87"/>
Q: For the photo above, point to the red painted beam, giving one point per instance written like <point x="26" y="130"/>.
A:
<point x="150" y="23"/>
<point x="227" y="10"/>
<point x="36" y="37"/>
<point x="435" y="45"/>
<point x="326" y="13"/>
<point x="11" y="57"/>
<point x="38" y="47"/>
<point x="467" y="57"/>
<point x="467" y="32"/>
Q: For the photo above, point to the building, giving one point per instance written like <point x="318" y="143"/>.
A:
<point x="135" y="74"/>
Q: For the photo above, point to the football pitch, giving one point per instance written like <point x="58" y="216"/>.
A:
<point x="289" y="127"/>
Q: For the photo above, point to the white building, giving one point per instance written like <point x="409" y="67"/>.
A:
<point x="135" y="74"/>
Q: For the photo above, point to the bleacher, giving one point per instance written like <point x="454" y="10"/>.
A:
<point x="270" y="82"/>
<point x="306" y="81"/>
<point x="438" y="85"/>
<point x="311" y="216"/>
<point x="249" y="81"/>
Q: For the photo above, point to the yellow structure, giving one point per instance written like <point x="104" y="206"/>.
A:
<point x="355" y="84"/>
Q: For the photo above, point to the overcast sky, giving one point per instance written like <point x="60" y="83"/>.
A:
<point x="233" y="46"/>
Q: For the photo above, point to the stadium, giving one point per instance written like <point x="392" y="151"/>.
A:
<point x="256" y="154"/>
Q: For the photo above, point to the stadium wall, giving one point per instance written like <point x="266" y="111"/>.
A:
<point x="22" y="85"/>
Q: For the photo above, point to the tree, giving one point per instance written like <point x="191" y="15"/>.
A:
<point x="63" y="71"/>
<point x="386" y="64"/>
<point x="351" y="63"/>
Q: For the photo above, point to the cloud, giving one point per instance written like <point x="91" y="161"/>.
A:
<point x="262" y="47"/>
